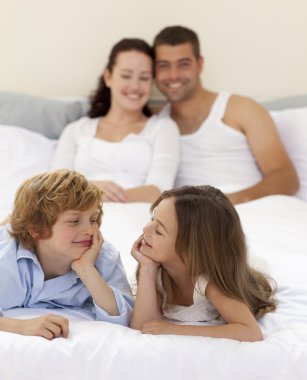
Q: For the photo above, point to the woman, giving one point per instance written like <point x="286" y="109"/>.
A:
<point x="131" y="155"/>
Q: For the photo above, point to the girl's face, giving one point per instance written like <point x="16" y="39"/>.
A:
<point x="130" y="80"/>
<point x="160" y="234"/>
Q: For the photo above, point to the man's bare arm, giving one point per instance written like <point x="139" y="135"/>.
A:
<point x="279" y="175"/>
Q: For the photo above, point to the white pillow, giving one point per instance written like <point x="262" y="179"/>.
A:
<point x="292" y="127"/>
<point x="23" y="153"/>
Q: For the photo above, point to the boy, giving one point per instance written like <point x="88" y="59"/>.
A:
<point x="53" y="256"/>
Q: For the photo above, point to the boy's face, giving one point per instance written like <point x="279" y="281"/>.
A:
<point x="71" y="236"/>
<point x="177" y="71"/>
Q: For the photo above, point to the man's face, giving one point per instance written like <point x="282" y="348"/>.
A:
<point x="177" y="71"/>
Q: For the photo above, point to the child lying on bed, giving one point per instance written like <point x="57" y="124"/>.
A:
<point x="52" y="255"/>
<point x="193" y="267"/>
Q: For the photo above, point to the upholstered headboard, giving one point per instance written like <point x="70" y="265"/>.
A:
<point x="49" y="116"/>
<point x="40" y="114"/>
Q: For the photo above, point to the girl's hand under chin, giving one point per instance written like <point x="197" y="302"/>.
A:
<point x="141" y="258"/>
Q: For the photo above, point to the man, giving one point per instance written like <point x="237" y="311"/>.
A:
<point x="228" y="141"/>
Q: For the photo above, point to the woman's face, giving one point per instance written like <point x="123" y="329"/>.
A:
<point x="130" y="81"/>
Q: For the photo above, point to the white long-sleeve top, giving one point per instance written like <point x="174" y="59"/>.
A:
<point x="150" y="157"/>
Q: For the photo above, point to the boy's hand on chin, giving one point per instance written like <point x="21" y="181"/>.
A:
<point x="89" y="257"/>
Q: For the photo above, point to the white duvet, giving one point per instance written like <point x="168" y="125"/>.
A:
<point x="276" y="230"/>
<point x="275" y="227"/>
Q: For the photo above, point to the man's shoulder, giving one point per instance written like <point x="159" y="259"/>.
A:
<point x="237" y="102"/>
<point x="243" y="108"/>
<point x="245" y="113"/>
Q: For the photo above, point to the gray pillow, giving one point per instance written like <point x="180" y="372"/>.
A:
<point x="298" y="101"/>
<point x="44" y="115"/>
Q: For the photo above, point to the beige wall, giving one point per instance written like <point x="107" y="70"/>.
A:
<point x="59" y="47"/>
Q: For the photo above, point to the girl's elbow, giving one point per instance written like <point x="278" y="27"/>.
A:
<point x="293" y="182"/>
<point x="134" y="325"/>
<point x="254" y="335"/>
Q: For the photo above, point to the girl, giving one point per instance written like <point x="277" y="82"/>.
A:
<point x="193" y="267"/>
<point x="120" y="146"/>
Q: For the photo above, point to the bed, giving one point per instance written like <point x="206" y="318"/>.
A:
<point x="275" y="227"/>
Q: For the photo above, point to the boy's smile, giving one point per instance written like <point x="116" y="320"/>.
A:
<point x="71" y="237"/>
<point x="84" y="243"/>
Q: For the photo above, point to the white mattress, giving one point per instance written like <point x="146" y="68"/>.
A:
<point x="276" y="232"/>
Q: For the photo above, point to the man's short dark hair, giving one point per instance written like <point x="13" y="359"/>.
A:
<point x="177" y="35"/>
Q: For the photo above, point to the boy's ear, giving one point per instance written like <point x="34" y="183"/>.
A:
<point x="33" y="233"/>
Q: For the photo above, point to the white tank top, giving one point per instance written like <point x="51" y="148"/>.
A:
<point x="216" y="154"/>
<point x="200" y="311"/>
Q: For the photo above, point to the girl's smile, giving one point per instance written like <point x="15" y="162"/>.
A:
<point x="144" y="241"/>
<point x="160" y="233"/>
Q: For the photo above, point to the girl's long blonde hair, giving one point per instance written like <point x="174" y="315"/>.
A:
<point x="211" y="242"/>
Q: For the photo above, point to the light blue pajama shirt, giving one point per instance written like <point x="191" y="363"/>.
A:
<point x="22" y="283"/>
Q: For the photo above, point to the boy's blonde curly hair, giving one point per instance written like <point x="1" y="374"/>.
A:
<point x="41" y="199"/>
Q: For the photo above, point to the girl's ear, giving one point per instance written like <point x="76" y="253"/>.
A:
<point x="107" y="77"/>
<point x="33" y="233"/>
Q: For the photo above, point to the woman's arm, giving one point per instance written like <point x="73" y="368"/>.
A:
<point x="147" y="193"/>
<point x="112" y="192"/>
<point x="66" y="149"/>
<point x="166" y="154"/>
<point x="164" y="164"/>
<point x="147" y="303"/>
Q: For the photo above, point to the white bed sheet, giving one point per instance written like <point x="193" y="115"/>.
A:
<point x="275" y="227"/>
